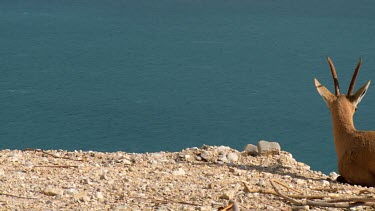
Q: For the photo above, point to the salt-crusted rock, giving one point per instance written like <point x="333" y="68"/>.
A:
<point x="52" y="191"/>
<point x="205" y="155"/>
<point x="251" y="149"/>
<point x="223" y="150"/>
<point x="268" y="148"/>
<point x="325" y="183"/>
<point x="232" y="157"/>
<point x="333" y="176"/>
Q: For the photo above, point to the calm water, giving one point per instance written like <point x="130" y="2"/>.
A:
<point x="143" y="75"/>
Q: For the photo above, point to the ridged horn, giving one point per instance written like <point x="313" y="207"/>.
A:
<point x="334" y="75"/>
<point x="352" y="83"/>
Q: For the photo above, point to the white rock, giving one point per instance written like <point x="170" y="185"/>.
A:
<point x="333" y="175"/>
<point x="251" y="149"/>
<point x="268" y="148"/>
<point x="325" y="183"/>
<point x="205" y="155"/>
<point x="70" y="191"/>
<point x="99" y="195"/>
<point x="52" y="191"/>
<point x="232" y="157"/>
<point x="222" y="150"/>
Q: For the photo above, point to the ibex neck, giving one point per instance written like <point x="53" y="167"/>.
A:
<point x="343" y="130"/>
<point x="342" y="123"/>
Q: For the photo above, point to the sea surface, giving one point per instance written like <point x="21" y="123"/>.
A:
<point x="148" y="76"/>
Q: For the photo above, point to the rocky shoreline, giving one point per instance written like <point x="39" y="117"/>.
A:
<point x="207" y="178"/>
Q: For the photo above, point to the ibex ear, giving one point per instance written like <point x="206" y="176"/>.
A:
<point x="324" y="92"/>
<point x="357" y="97"/>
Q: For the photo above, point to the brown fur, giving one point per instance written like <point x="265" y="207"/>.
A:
<point x="355" y="149"/>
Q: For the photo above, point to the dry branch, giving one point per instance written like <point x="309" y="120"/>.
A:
<point x="52" y="155"/>
<point x="56" y="166"/>
<point x="337" y="203"/>
<point x="164" y="201"/>
<point x="15" y="196"/>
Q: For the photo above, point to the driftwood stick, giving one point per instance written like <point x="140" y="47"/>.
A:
<point x="286" y="186"/>
<point x="318" y="203"/>
<point x="227" y="208"/>
<point x="269" y="191"/>
<point x="20" y="197"/>
<point x="56" y="166"/>
<point x="286" y="197"/>
<point x="352" y="199"/>
<point x="164" y="201"/>
<point x="52" y="155"/>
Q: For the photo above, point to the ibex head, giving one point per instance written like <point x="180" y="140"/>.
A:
<point x="341" y="102"/>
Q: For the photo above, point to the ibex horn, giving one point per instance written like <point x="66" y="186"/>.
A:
<point x="334" y="75"/>
<point x="352" y="83"/>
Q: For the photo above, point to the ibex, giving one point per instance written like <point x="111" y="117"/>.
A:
<point x="355" y="149"/>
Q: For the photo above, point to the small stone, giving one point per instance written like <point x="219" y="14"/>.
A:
<point x="300" y="208"/>
<point x="268" y="148"/>
<point x="223" y="150"/>
<point x="251" y="149"/>
<point x="222" y="158"/>
<point x="228" y="195"/>
<point x="123" y="208"/>
<point x="2" y="172"/>
<point x="232" y="157"/>
<point x="205" y="156"/>
<point x="86" y="181"/>
<point x="235" y="171"/>
<point x="178" y="172"/>
<point x="51" y="191"/>
<point x="325" y="183"/>
<point x="261" y="183"/>
<point x="204" y="208"/>
<point x="103" y="177"/>
<point x="99" y="195"/>
<point x="28" y="164"/>
<point x="126" y="161"/>
<point x="81" y="196"/>
<point x="299" y="181"/>
<point x="70" y="191"/>
<point x="333" y="176"/>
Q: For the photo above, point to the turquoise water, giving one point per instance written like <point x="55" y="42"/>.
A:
<point x="144" y="75"/>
